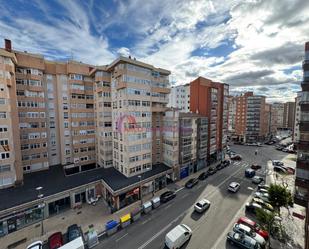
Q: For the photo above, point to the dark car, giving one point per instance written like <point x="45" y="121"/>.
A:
<point x="226" y="163"/>
<point x="277" y="163"/>
<point x="211" y="171"/>
<point x="238" y="142"/>
<point x="280" y="169"/>
<point x="191" y="183"/>
<point x="256" y="166"/>
<point x="73" y="232"/>
<point x="236" y="157"/>
<point x="167" y="196"/>
<point x="278" y="147"/>
<point x="202" y="176"/>
<point x="219" y="166"/>
<point x="55" y="240"/>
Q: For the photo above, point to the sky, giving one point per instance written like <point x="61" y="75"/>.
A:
<point x="250" y="44"/>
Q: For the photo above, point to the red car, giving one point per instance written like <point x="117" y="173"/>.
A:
<point x="253" y="225"/>
<point x="256" y="166"/>
<point x="55" y="240"/>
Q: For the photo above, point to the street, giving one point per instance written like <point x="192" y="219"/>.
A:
<point x="210" y="228"/>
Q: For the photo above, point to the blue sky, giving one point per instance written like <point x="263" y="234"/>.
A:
<point x="220" y="40"/>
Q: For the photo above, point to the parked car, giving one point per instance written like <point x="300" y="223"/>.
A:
<point x="55" y="240"/>
<point x="261" y="195"/>
<point x="167" y="196"/>
<point x="202" y="205"/>
<point x="257" y="179"/>
<point x="226" y="163"/>
<point x="36" y="245"/>
<point x="256" y="166"/>
<point x="191" y="183"/>
<point x="280" y="169"/>
<point x="263" y="186"/>
<point x="202" y="176"/>
<point x="253" y="225"/>
<point x="277" y="163"/>
<point x="241" y="240"/>
<point x="178" y="236"/>
<point x="279" y="147"/>
<point x="259" y="144"/>
<point x="252" y="207"/>
<point x="219" y="166"/>
<point x="211" y="171"/>
<point x="236" y="157"/>
<point x="263" y="204"/>
<point x="249" y="173"/>
<point x="73" y="232"/>
<point x="238" y="142"/>
<point x="234" y="187"/>
<point x="241" y="228"/>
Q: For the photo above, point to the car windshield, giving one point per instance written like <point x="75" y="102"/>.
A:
<point x="74" y="234"/>
<point x="199" y="204"/>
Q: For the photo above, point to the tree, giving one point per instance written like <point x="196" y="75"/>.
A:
<point x="279" y="196"/>
<point x="264" y="218"/>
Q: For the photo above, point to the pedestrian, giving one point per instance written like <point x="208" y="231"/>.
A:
<point x="256" y="151"/>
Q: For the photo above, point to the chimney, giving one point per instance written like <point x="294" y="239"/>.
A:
<point x="8" y="45"/>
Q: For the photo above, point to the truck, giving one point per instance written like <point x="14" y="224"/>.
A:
<point x="77" y="243"/>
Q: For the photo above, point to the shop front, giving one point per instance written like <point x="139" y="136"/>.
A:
<point x="21" y="219"/>
<point x="128" y="198"/>
<point x="184" y="172"/>
<point x="58" y="206"/>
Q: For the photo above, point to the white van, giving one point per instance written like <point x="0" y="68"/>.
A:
<point x="77" y="243"/>
<point x="178" y="236"/>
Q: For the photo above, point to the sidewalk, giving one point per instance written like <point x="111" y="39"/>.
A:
<point x="97" y="216"/>
<point x="294" y="226"/>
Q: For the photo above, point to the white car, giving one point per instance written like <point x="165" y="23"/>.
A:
<point x="36" y="245"/>
<point x="261" y="195"/>
<point x="241" y="228"/>
<point x="178" y="236"/>
<point x="234" y="187"/>
<point x="202" y="205"/>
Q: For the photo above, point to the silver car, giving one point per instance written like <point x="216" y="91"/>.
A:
<point x="202" y="205"/>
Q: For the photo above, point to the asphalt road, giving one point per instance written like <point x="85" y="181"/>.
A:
<point x="210" y="228"/>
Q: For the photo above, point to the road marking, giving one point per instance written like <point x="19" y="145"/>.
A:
<point x="121" y="237"/>
<point x="168" y="206"/>
<point x="184" y="196"/>
<point x="145" y="221"/>
<point x="160" y="232"/>
<point x="179" y="189"/>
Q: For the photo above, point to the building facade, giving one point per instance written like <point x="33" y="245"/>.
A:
<point x="288" y="115"/>
<point x="277" y="113"/>
<point x="180" y="97"/>
<point x="210" y="99"/>
<point x="295" y="135"/>
<point x="301" y="196"/>
<point x="232" y="114"/>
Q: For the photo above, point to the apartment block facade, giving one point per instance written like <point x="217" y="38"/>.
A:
<point x="277" y="114"/>
<point x="301" y="196"/>
<point x="232" y="114"/>
<point x="252" y="118"/>
<point x="295" y="135"/>
<point x="288" y="115"/>
<point x="180" y="97"/>
<point x="210" y="99"/>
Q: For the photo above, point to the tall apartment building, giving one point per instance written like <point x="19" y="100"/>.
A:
<point x="295" y="135"/>
<point x="10" y="155"/>
<point x="252" y="118"/>
<point x="232" y="114"/>
<point x="288" y="115"/>
<point x="180" y="97"/>
<point x="277" y="114"/>
<point x="210" y="99"/>
<point x="185" y="142"/>
<point x="301" y="196"/>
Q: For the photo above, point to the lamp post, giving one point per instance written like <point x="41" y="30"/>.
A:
<point x="277" y="218"/>
<point x="42" y="206"/>
<point x="140" y="188"/>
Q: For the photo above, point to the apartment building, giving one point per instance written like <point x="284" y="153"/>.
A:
<point x="295" y="135"/>
<point x="301" y="196"/>
<point x="252" y="118"/>
<point x="232" y="114"/>
<point x="180" y="97"/>
<point x="288" y="115"/>
<point x="185" y="142"/>
<point x="277" y="113"/>
<point x="210" y="99"/>
<point x="11" y="171"/>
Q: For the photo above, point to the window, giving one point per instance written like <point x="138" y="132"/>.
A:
<point x="4" y="155"/>
<point x="4" y="142"/>
<point x="5" y="168"/>
<point x="2" y="101"/>
<point x="2" y="114"/>
<point x="3" y="129"/>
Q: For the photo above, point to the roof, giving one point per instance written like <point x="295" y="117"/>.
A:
<point x="55" y="181"/>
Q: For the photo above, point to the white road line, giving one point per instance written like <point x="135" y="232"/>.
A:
<point x="160" y="232"/>
<point x="168" y="206"/>
<point x="179" y="189"/>
<point x="184" y="196"/>
<point x="145" y="221"/>
<point x="121" y="237"/>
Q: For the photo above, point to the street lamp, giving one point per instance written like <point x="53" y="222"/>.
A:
<point x="42" y="206"/>
<point x="140" y="188"/>
<point x="275" y="218"/>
